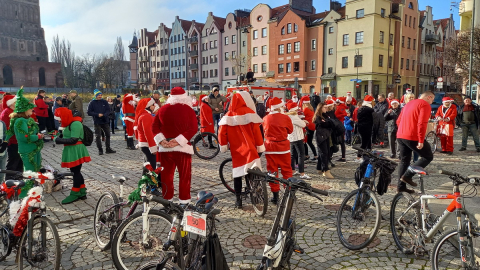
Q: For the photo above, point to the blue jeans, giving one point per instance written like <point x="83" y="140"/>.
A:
<point x="216" y="119"/>
<point x="348" y="136"/>
<point x="470" y="128"/>
<point x="117" y="115"/>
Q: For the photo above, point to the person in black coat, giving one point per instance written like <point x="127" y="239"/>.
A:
<point x="323" y="131"/>
<point x="365" y="122"/>
<point x="391" y="117"/>
<point x="315" y="100"/>
<point x="99" y="109"/>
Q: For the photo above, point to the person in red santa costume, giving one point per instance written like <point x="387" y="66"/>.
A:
<point x="446" y="115"/>
<point x="195" y="104"/>
<point x="408" y="91"/>
<point x="390" y="98"/>
<point x="143" y="130"/>
<point x="341" y="110"/>
<point x="240" y="129"/>
<point x="206" y="119"/>
<point x="266" y="100"/>
<point x="277" y="126"/>
<point x="350" y="99"/>
<point x="174" y="126"/>
<point x="128" y="108"/>
<point x="308" y="114"/>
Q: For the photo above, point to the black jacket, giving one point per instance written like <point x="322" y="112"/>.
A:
<point x="381" y="107"/>
<point x="365" y="117"/>
<point x="66" y="102"/>
<point x="261" y="110"/>
<point x="115" y="103"/>
<point x="323" y="128"/>
<point x="315" y="100"/>
<point x="459" y="118"/>
<point x="96" y="107"/>
<point x="391" y="119"/>
<point x="378" y="127"/>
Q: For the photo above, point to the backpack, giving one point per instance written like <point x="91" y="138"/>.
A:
<point x="87" y="135"/>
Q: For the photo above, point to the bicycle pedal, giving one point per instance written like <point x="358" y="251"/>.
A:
<point x="298" y="249"/>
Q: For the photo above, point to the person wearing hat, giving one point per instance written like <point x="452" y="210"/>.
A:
<point x="117" y="105"/>
<point x="206" y="119"/>
<point x="277" y="126"/>
<point x="174" y="138"/>
<point x="350" y="100"/>
<point x="156" y="97"/>
<point x="77" y="104"/>
<point x="27" y="133"/>
<point x="14" y="161"/>
<point x="365" y="123"/>
<point x="99" y="110"/>
<point x="143" y="130"/>
<point x="216" y="101"/>
<point x="128" y="108"/>
<point x="468" y="117"/>
<point x="65" y="101"/>
<point x="296" y="138"/>
<point x="446" y="115"/>
<point x="195" y="104"/>
<point x="41" y="110"/>
<point x="391" y="117"/>
<point x="239" y="130"/>
<point x="74" y="153"/>
<point x="341" y="111"/>
<point x="308" y="113"/>
<point x="408" y="91"/>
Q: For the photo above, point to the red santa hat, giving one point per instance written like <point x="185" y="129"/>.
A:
<point x="341" y="100"/>
<point x="8" y="100"/>
<point x="304" y="100"/>
<point x="227" y="95"/>
<point x="292" y="106"/>
<point x="266" y="93"/>
<point x="179" y="96"/>
<point x="202" y="97"/>
<point x="241" y="111"/>
<point x="276" y="103"/>
<point x="409" y="91"/>
<point x="394" y="101"/>
<point x="368" y="99"/>
<point x="329" y="103"/>
<point x="447" y="99"/>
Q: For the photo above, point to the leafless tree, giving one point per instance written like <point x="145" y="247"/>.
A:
<point x="89" y="70"/>
<point x="61" y="52"/>
<point x="241" y="63"/>
<point x="457" y="53"/>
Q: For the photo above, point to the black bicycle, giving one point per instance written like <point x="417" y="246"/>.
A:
<point x="205" y="145"/>
<point x="281" y="241"/>
<point x="256" y="190"/>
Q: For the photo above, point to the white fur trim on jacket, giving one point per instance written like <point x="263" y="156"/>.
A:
<point x="127" y="118"/>
<point x="277" y="153"/>
<point x="159" y="138"/>
<point x="278" y="105"/>
<point x="239" y="120"/>
<point x="243" y="170"/>
<point x="248" y="100"/>
<point x="135" y="128"/>
<point x="181" y="140"/>
<point x="261" y="148"/>
<point x="11" y="101"/>
<point x="223" y="148"/>
<point x="180" y="99"/>
<point x="188" y="149"/>
<point x="133" y="102"/>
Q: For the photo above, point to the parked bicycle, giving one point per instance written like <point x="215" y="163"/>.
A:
<point x="256" y="190"/>
<point x="188" y="244"/>
<point x="433" y="137"/>
<point x="38" y="242"/>
<point x="413" y="225"/>
<point x="281" y="241"/>
<point x="359" y="215"/>
<point x="205" y="145"/>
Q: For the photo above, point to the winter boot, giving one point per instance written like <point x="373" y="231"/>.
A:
<point x="110" y="151"/>
<point x="328" y="175"/>
<point x="75" y="195"/>
<point x="130" y="145"/>
<point x="238" y="202"/>
<point x="100" y="151"/>
<point x="83" y="192"/>
<point x="274" y="200"/>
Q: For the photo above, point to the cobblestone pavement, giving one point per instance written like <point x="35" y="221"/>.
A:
<point x="241" y="232"/>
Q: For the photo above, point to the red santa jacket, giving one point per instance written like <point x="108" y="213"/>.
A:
<point x="413" y="120"/>
<point x="177" y="121"/>
<point x="42" y="108"/>
<point x="128" y="108"/>
<point x="309" y="117"/>
<point x="5" y="117"/>
<point x="143" y="126"/>
<point x="206" y="118"/>
<point x="341" y="112"/>
<point x="451" y="114"/>
<point x="277" y="126"/>
<point x="195" y="103"/>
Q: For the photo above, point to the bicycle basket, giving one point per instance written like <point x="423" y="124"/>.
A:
<point x="385" y="178"/>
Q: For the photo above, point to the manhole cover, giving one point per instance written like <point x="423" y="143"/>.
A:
<point x="357" y="239"/>
<point x="255" y="242"/>
<point x="333" y="207"/>
<point x="322" y="187"/>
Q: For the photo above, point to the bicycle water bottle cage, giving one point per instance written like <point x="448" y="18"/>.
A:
<point x="417" y="170"/>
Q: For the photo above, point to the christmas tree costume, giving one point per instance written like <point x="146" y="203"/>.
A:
<point x="29" y="145"/>
<point x="74" y="153"/>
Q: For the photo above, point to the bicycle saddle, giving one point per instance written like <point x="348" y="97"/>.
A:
<point x="205" y="198"/>
<point x="119" y="178"/>
<point x="296" y="181"/>
<point x="14" y="183"/>
<point x="417" y="170"/>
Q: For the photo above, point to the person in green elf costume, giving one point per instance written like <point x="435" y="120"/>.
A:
<point x="30" y="141"/>
<point x="75" y="153"/>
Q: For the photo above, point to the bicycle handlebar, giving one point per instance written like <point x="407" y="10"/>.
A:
<point x="446" y="173"/>
<point x="456" y="176"/>
<point x="370" y="154"/>
<point x="179" y="209"/>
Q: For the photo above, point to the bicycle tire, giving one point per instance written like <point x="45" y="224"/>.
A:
<point x="119" y="240"/>
<point x="226" y="175"/>
<point x="200" y="139"/>
<point x="410" y="222"/>
<point x="5" y="242"/>
<point x="289" y="246"/>
<point x="193" y="259"/>
<point x="152" y="265"/>
<point x="258" y="195"/>
<point x="22" y="246"/>
<point x="446" y="249"/>
<point x="432" y="139"/>
<point x="106" y="221"/>
<point x="358" y="239"/>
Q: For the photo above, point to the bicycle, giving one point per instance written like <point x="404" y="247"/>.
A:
<point x="359" y="215"/>
<point x="433" y="138"/>
<point x="38" y="242"/>
<point x="187" y="245"/>
<point x="413" y="226"/>
<point x="206" y="148"/>
<point x="257" y="190"/>
<point x="281" y="241"/>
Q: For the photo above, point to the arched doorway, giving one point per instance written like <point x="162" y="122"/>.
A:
<point x="41" y="77"/>
<point x="7" y="75"/>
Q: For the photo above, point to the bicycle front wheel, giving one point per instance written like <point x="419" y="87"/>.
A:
<point x="258" y="194"/>
<point x="358" y="219"/>
<point x="206" y="146"/>
<point x="45" y="246"/>
<point x="152" y="265"/>
<point x="432" y="140"/>
<point x="128" y="251"/>
<point x="226" y="174"/>
<point x="106" y="219"/>
<point x="446" y="252"/>
<point x="404" y="223"/>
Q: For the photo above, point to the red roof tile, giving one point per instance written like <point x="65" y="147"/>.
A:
<point x="220" y="22"/>
<point x="185" y="25"/>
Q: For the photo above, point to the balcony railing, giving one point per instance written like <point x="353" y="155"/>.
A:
<point x="193" y="53"/>
<point x="194" y="80"/>
<point x="143" y="59"/>
<point x="193" y="66"/>
<point x="432" y="39"/>
<point x="144" y="69"/>
<point x="143" y="80"/>
<point x="193" y="40"/>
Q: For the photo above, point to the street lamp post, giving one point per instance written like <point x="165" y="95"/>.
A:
<point x="471" y="48"/>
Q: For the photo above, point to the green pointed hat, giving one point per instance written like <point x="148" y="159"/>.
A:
<point x="22" y="104"/>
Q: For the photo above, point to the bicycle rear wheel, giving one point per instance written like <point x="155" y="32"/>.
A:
<point x="358" y="219"/>
<point x="226" y="174"/>
<point x="258" y="194"/>
<point x="5" y="242"/>
<point x="206" y="146"/>
<point x="128" y="252"/>
<point x="404" y="229"/>
<point x="432" y="140"/>
<point x="446" y="252"/>
<point x="106" y="219"/>
<point x="45" y="248"/>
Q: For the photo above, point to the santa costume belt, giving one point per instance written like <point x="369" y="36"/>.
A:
<point x="79" y="142"/>
<point x="276" y="141"/>
<point x="130" y="114"/>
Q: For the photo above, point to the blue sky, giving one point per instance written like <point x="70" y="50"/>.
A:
<point x="93" y="25"/>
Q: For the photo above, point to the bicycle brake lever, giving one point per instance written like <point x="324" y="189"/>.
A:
<point x="313" y="195"/>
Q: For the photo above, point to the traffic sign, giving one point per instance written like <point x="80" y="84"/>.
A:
<point x="440" y="79"/>
<point x="358" y="85"/>
<point x="356" y="80"/>
<point x="439" y="84"/>
<point x="397" y="81"/>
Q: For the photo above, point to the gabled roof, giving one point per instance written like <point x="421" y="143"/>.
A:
<point x="185" y="25"/>
<point x="199" y="26"/>
<point x="219" y="22"/>
<point x="276" y="11"/>
<point x="168" y="30"/>
<point x="442" y="22"/>
<point x="341" y="11"/>
<point x="316" y="19"/>
<point x="134" y="43"/>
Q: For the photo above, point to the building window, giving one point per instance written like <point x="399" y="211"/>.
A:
<point x="358" y="37"/>
<point x="345" y="62"/>
<point x="255" y="68"/>
<point x="382" y="37"/>
<point x="390" y="61"/>
<point x="255" y="34"/>
<point x="414" y="44"/>
<point x="410" y="6"/>
<point x="410" y="21"/>
<point x="296" y="47"/>
<point x="289" y="47"/>
<point x="314" y="65"/>
<point x="234" y="39"/>
<point x="345" y="40"/>
<point x="358" y="60"/>
<point x="314" y="44"/>
<point x="330" y="30"/>
<point x="391" y="39"/>
<point x="330" y="70"/>
<point x="380" y="60"/>
<point x="255" y="51"/>
<point x="264" y="49"/>
<point x="264" y="32"/>
<point x="296" y="66"/>
<point x="382" y="12"/>
<point x="289" y="67"/>
<point x="289" y="28"/>
<point x="360" y="13"/>
<point x="244" y="43"/>
<point x="226" y="40"/>
<point x="281" y="49"/>
<point x="407" y="65"/>
<point x="295" y="27"/>
<point x="215" y="43"/>
<point x="283" y="30"/>
<point x="413" y="65"/>
<point x="233" y="72"/>
<point x="280" y="68"/>
<point x="406" y="20"/>
<point x="403" y="41"/>
<point x="264" y="67"/>
<point x="234" y="54"/>
<point x="226" y="56"/>
<point x="226" y="71"/>
<point x="408" y="43"/>
<point x="414" y="22"/>
<point x="401" y="63"/>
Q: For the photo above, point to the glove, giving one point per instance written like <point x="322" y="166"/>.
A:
<point x="3" y="146"/>
<point x="66" y="141"/>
